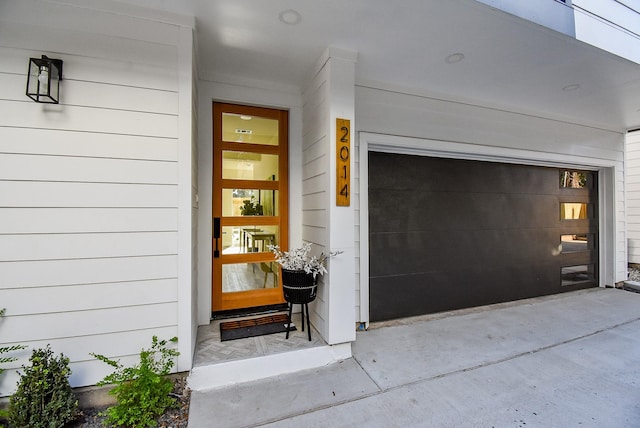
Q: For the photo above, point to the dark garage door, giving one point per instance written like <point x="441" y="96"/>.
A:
<point x="448" y="234"/>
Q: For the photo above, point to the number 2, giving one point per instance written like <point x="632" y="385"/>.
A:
<point x="345" y="134"/>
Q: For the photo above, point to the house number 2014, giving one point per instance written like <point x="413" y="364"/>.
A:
<point x="343" y="164"/>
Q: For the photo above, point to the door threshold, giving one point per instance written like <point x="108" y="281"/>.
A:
<point x="244" y="312"/>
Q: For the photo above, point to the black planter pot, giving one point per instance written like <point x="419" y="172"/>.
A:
<point x="299" y="288"/>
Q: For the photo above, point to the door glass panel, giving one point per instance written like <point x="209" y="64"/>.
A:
<point x="576" y="243"/>
<point x="576" y="274"/>
<point x="248" y="239"/>
<point x="249" y="129"/>
<point x="573" y="179"/>
<point x="573" y="211"/>
<point x="249" y="202"/>
<point x="249" y="166"/>
<point x="249" y="276"/>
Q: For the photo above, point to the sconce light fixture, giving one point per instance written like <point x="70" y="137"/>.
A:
<point x="43" y="79"/>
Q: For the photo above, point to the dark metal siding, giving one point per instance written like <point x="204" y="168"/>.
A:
<point x="448" y="234"/>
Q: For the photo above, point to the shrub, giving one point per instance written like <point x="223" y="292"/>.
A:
<point x="141" y="391"/>
<point x="44" y="398"/>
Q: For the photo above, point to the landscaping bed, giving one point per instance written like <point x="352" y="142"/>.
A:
<point x="174" y="417"/>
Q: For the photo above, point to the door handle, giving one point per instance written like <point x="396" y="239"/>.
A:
<point x="216" y="235"/>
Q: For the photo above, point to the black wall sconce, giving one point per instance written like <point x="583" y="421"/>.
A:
<point x="43" y="80"/>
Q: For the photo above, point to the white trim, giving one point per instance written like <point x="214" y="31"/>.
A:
<point x="213" y="376"/>
<point x="456" y="150"/>
<point x="186" y="325"/>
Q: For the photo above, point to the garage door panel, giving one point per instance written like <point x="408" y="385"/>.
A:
<point x="447" y="233"/>
<point x="447" y="249"/>
<point x="417" y="211"/>
<point x="432" y="292"/>
<point x="453" y="176"/>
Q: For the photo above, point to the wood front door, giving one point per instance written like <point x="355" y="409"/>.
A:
<point x="250" y="204"/>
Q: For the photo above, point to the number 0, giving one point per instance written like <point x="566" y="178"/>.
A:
<point x="344" y="153"/>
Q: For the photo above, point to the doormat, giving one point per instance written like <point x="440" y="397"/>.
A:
<point x="241" y="329"/>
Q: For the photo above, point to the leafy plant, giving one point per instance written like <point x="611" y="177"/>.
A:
<point x="250" y="207"/>
<point x="298" y="259"/>
<point x="44" y="398"/>
<point x="4" y="350"/>
<point x="141" y="391"/>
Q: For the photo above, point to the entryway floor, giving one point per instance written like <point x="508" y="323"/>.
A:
<point x="210" y="350"/>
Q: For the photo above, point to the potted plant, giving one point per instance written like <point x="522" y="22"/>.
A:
<point x="298" y="260"/>
<point x="250" y="207"/>
<point x="300" y="276"/>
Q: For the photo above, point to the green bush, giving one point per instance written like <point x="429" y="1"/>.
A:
<point x="141" y="391"/>
<point x="44" y="398"/>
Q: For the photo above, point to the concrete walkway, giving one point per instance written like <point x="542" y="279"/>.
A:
<point x="570" y="360"/>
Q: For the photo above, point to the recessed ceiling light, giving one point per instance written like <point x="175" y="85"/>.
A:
<point x="453" y="58"/>
<point x="243" y="117"/>
<point x="290" y="17"/>
<point x="573" y="87"/>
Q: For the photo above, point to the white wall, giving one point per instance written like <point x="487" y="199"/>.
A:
<point x="95" y="206"/>
<point x="554" y="14"/>
<point x="421" y="124"/>
<point x="612" y="25"/>
<point x="632" y="178"/>
<point x="329" y="95"/>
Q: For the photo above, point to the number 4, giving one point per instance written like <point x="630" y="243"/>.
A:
<point x="345" y="191"/>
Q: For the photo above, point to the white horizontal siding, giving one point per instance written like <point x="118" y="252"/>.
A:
<point x="87" y="20"/>
<point x="82" y="297"/>
<point x="61" y="194"/>
<point x="315" y="180"/>
<point x="632" y="169"/>
<point x="93" y="68"/>
<point x="27" y="114"/>
<point x="89" y="189"/>
<point x="84" y="144"/>
<point x="86" y="245"/>
<point x="62" y="39"/>
<point x="99" y="95"/>
<point x="102" y="321"/>
<point x="47" y="273"/>
<point x="94" y="170"/>
<point x="86" y="220"/>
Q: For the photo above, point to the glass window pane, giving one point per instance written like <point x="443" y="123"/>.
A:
<point x="576" y="274"/>
<point x="249" y="129"/>
<point x="249" y="202"/>
<point x="249" y="276"/>
<point x="249" y="166"/>
<point x="249" y="239"/>
<point x="574" y="211"/>
<point x="576" y="243"/>
<point x="573" y="179"/>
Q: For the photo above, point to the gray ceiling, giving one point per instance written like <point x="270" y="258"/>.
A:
<point x="508" y="62"/>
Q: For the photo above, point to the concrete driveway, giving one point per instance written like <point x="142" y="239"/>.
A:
<point x="569" y="360"/>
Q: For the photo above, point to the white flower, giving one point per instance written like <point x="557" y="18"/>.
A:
<point x="298" y="259"/>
